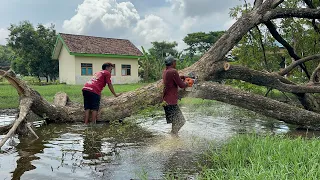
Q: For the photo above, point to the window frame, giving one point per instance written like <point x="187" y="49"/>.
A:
<point x="86" y="66"/>
<point x="126" y="69"/>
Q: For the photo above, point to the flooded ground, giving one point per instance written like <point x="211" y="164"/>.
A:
<point x="140" y="150"/>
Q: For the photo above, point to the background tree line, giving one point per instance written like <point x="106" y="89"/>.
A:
<point x="29" y="49"/>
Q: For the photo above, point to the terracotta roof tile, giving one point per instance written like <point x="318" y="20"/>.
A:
<point x="99" y="45"/>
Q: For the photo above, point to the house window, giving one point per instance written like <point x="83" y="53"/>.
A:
<point x="125" y="70"/>
<point x="113" y="72"/>
<point x="86" y="69"/>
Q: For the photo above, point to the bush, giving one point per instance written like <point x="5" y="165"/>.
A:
<point x="31" y="80"/>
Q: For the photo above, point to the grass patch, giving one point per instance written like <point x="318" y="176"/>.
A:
<point x="10" y="98"/>
<point x="264" y="157"/>
<point x="196" y="101"/>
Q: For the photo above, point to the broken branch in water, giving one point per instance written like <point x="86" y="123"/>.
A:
<point x="25" y="105"/>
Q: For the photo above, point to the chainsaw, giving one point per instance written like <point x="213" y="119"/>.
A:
<point x="191" y="79"/>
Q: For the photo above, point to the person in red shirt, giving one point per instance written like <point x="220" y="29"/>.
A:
<point x="172" y="81"/>
<point x="92" y="91"/>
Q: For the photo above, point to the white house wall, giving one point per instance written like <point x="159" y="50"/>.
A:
<point x="96" y="66"/>
<point x="66" y="67"/>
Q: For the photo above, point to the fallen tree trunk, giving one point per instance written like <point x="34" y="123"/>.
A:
<point x="260" y="104"/>
<point x="275" y="81"/>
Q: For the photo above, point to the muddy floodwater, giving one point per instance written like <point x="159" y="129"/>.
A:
<point x="140" y="150"/>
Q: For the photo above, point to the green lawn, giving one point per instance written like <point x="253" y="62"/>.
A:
<point x="9" y="96"/>
<point x="264" y="157"/>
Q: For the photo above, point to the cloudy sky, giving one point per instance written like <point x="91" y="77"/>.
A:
<point x="141" y="21"/>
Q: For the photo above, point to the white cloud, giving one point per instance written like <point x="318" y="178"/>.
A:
<point x="4" y="33"/>
<point x="110" y="18"/>
<point x="152" y="28"/>
<point x="188" y="23"/>
<point x="111" y="14"/>
<point x="192" y="8"/>
<point x="177" y="5"/>
<point x="124" y="15"/>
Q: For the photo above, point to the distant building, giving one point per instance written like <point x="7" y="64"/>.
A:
<point x="80" y="56"/>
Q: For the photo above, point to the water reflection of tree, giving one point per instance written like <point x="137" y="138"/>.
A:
<point x="103" y="144"/>
<point x="92" y="145"/>
<point x="27" y="155"/>
<point x="114" y="138"/>
<point x="27" y="149"/>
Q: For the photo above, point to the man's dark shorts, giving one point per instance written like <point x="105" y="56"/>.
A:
<point x="91" y="100"/>
<point x="173" y="113"/>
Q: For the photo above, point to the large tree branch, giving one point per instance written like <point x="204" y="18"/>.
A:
<point x="296" y="63"/>
<point x="276" y="3"/>
<point x="257" y="3"/>
<point x="208" y="62"/>
<point x="266" y="79"/>
<point x="292" y="12"/>
<point x="266" y="106"/>
<point x="40" y="106"/>
<point x="272" y="80"/>
<point x="315" y="76"/>
<point x="272" y="29"/>
<point x="290" y="50"/>
<point x="25" y="105"/>
<point x="10" y="76"/>
<point x="203" y="68"/>
<point x="313" y="22"/>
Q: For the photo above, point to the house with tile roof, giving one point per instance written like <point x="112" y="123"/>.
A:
<point x="81" y="56"/>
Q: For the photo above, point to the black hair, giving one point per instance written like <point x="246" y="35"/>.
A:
<point x="106" y="65"/>
<point x="169" y="64"/>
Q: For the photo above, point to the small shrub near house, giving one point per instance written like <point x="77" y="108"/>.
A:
<point x="31" y="80"/>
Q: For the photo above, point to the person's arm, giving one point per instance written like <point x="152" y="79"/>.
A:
<point x="179" y="81"/>
<point x="108" y="81"/>
<point x="112" y="90"/>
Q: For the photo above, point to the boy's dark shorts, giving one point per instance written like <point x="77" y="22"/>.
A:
<point x="91" y="100"/>
<point x="173" y="113"/>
